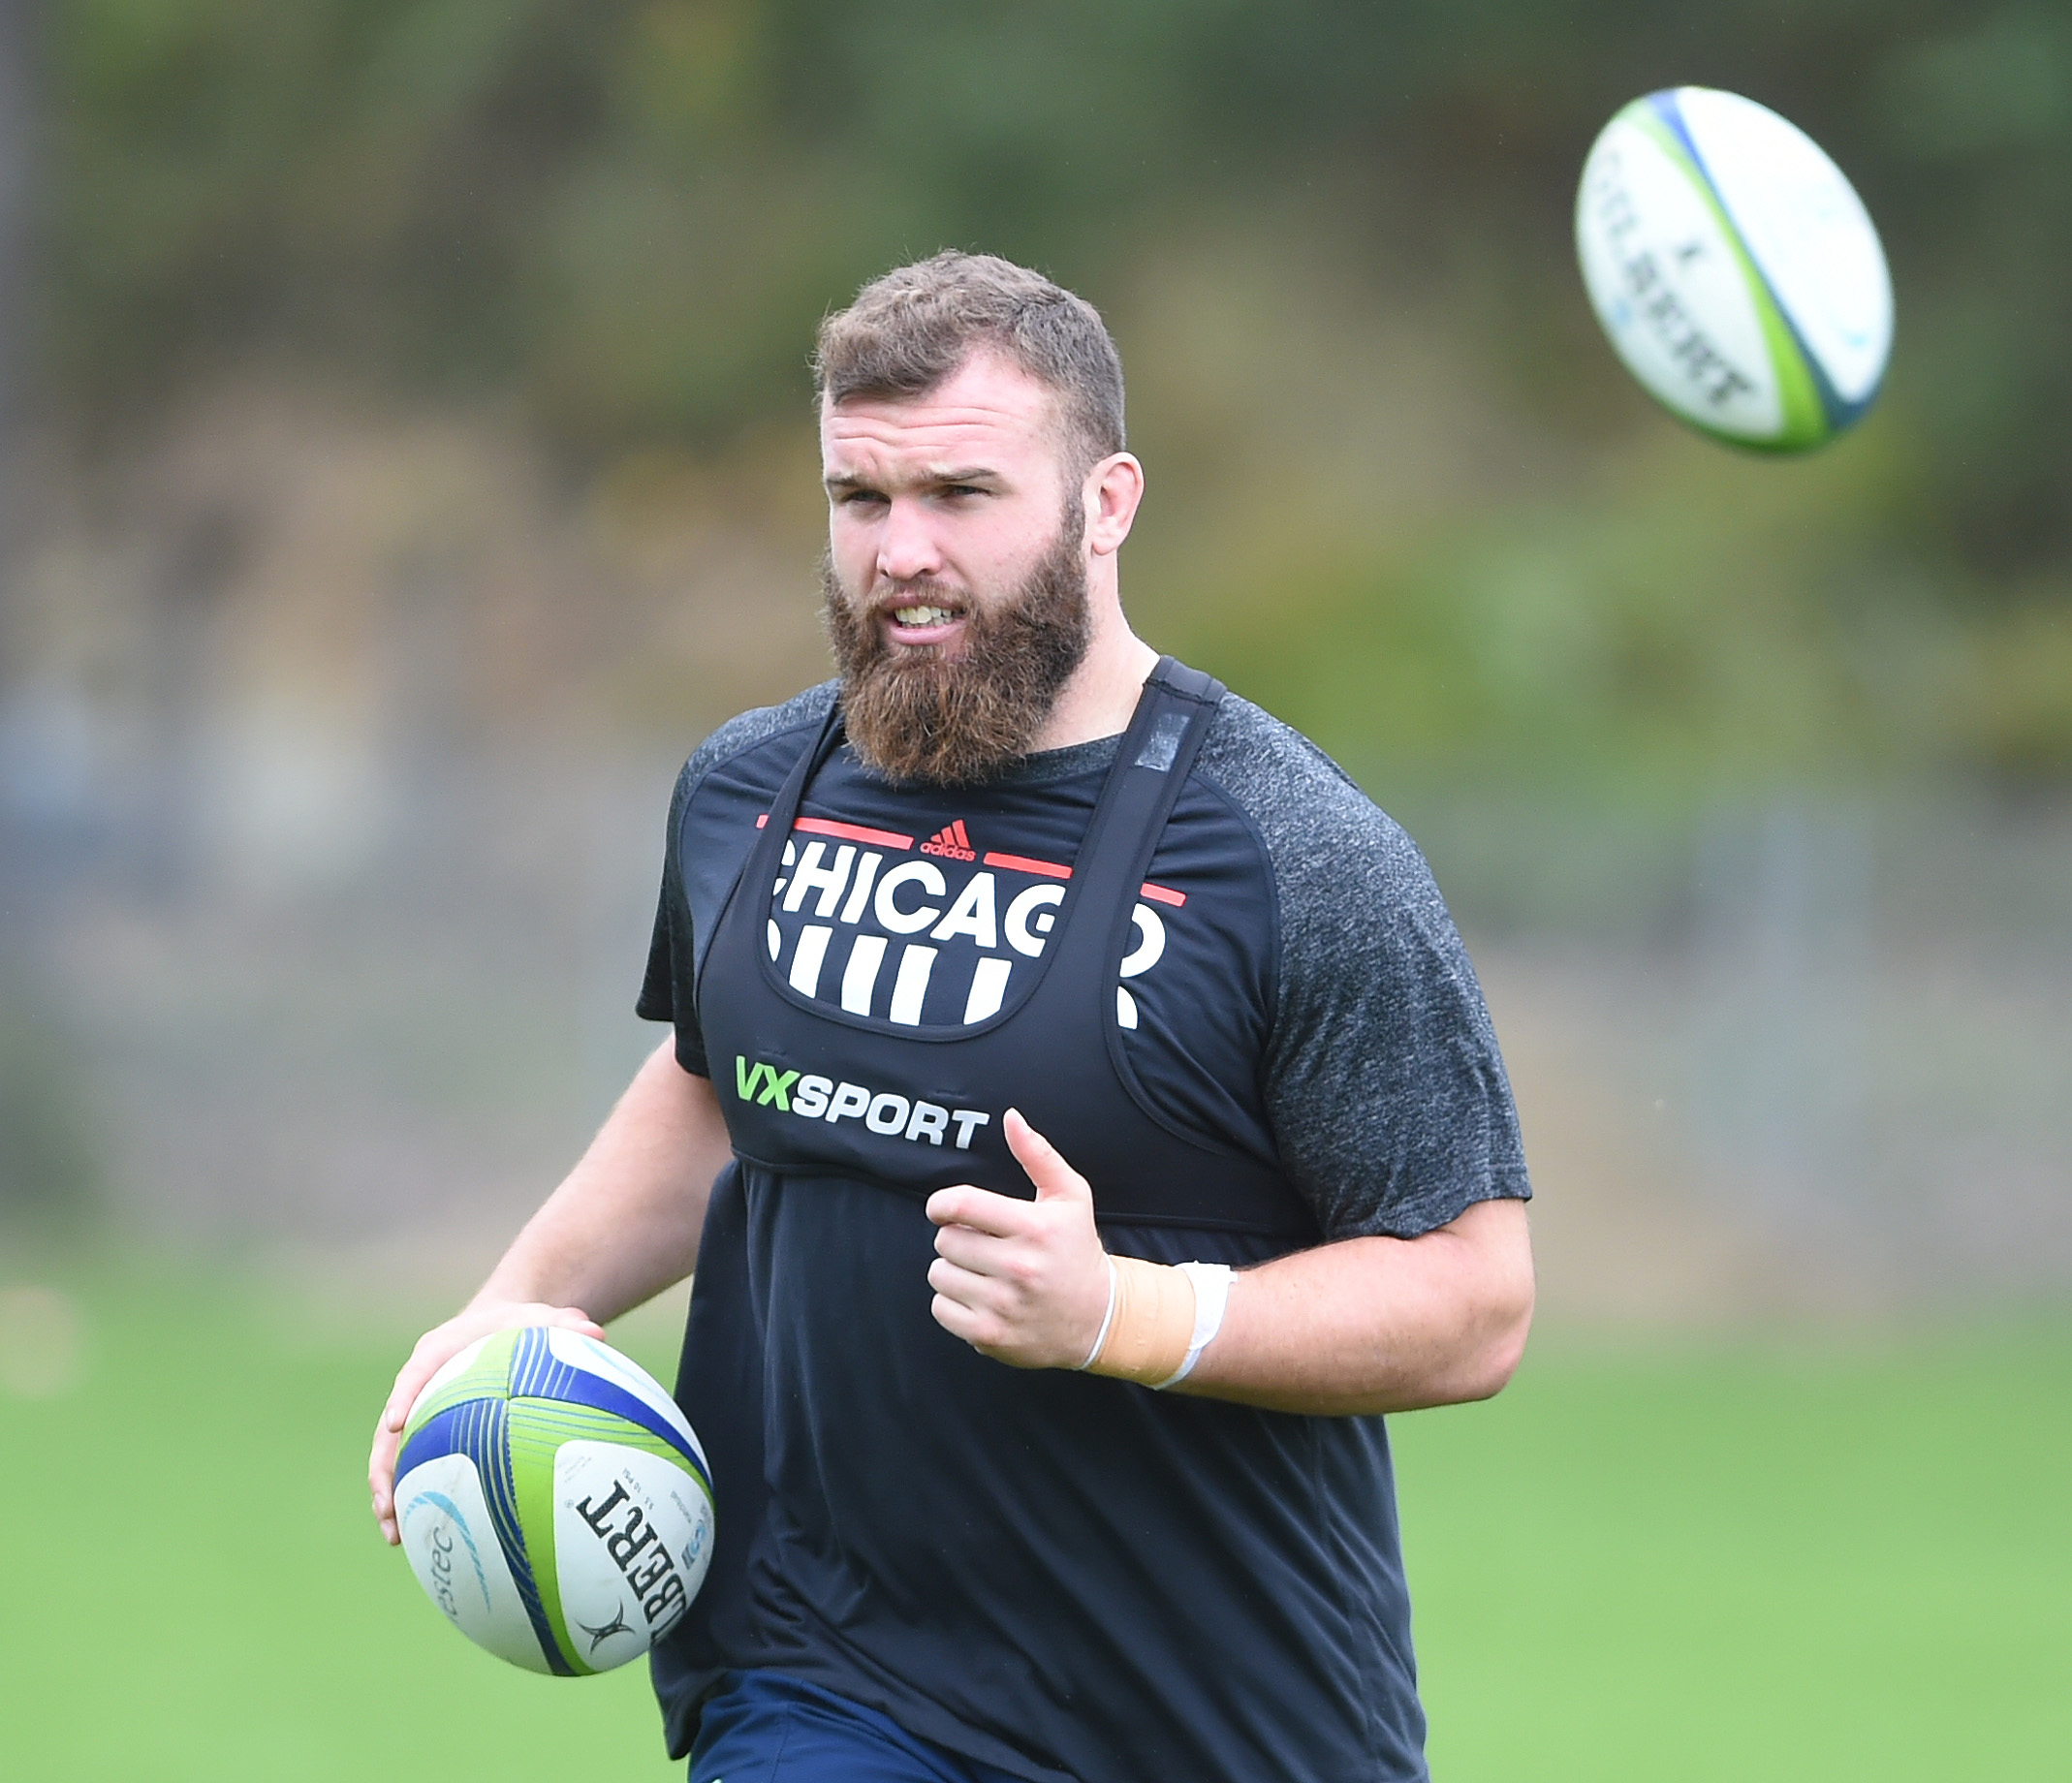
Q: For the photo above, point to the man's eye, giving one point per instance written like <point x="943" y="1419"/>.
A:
<point x="962" y="488"/>
<point x="861" y="498"/>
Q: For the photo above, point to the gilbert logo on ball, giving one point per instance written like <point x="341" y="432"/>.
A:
<point x="1735" y="269"/>
<point x="553" y="1502"/>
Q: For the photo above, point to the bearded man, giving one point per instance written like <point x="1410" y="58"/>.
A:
<point x="1086" y="1126"/>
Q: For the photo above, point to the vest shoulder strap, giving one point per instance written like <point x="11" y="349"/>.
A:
<point x="1187" y="683"/>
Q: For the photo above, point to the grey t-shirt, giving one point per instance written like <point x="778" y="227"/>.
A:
<point x="1309" y="999"/>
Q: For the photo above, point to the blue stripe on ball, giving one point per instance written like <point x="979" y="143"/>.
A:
<point x="476" y="1428"/>
<point x="537" y="1373"/>
<point x="606" y="1396"/>
<point x="535" y="1370"/>
<point x="1672" y="115"/>
<point x="490" y="1452"/>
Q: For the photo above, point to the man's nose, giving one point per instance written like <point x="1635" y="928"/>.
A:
<point x="908" y="547"/>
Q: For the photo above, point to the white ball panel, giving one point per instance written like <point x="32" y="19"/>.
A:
<point x="1805" y="227"/>
<point x="633" y="1537"/>
<point x="1669" y="288"/>
<point x="454" y="1551"/>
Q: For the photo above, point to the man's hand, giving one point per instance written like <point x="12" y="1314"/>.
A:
<point x="1358" y="1325"/>
<point x="1024" y="1282"/>
<point x="434" y="1350"/>
<point x="622" y="1227"/>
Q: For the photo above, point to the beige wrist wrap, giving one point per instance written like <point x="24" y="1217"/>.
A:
<point x="1151" y="1326"/>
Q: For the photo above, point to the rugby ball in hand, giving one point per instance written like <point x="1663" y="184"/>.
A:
<point x="553" y="1502"/>
<point x="1735" y="269"/>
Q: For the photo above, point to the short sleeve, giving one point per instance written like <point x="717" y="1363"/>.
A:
<point x="1383" y="1083"/>
<point x="695" y="871"/>
<point x="666" y="991"/>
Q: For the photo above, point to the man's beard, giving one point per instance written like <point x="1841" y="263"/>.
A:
<point x="914" y="713"/>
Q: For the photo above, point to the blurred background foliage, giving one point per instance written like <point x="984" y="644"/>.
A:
<point x="1398" y="479"/>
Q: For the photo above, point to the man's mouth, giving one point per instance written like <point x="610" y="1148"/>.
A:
<point x="923" y="622"/>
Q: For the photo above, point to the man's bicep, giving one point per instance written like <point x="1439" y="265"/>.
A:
<point x="1493" y="1235"/>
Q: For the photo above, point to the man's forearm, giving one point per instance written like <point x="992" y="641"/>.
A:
<point x="1362" y="1325"/>
<point x="1378" y="1325"/>
<point x="624" y="1223"/>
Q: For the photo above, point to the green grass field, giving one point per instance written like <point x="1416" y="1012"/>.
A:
<point x="1824" y="1562"/>
<point x="1819" y="1563"/>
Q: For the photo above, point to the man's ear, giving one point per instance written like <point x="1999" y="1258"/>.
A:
<point x="1113" y="489"/>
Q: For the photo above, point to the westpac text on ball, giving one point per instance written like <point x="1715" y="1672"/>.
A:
<point x="442" y="1572"/>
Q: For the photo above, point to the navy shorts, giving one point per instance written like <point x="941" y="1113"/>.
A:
<point x="763" y="1727"/>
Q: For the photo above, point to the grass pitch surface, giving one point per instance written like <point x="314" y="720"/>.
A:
<point x="1816" y="1562"/>
<point x="1809" y="1563"/>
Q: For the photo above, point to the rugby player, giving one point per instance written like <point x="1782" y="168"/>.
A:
<point x="1085" y="1127"/>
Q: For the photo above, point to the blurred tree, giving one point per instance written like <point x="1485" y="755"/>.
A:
<point x="632" y="207"/>
<point x="631" y="213"/>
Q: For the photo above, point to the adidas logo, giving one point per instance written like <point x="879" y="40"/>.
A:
<point x="952" y="843"/>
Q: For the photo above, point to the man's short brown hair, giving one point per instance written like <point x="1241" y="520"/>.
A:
<point x="911" y="328"/>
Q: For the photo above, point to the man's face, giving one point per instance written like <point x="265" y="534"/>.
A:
<point x="956" y="580"/>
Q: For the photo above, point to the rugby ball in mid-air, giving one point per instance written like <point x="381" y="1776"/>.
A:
<point x="1735" y="269"/>
<point x="553" y="1501"/>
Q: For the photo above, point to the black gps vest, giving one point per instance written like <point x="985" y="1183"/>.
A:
<point x="813" y="1089"/>
<point x="1055" y="1574"/>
